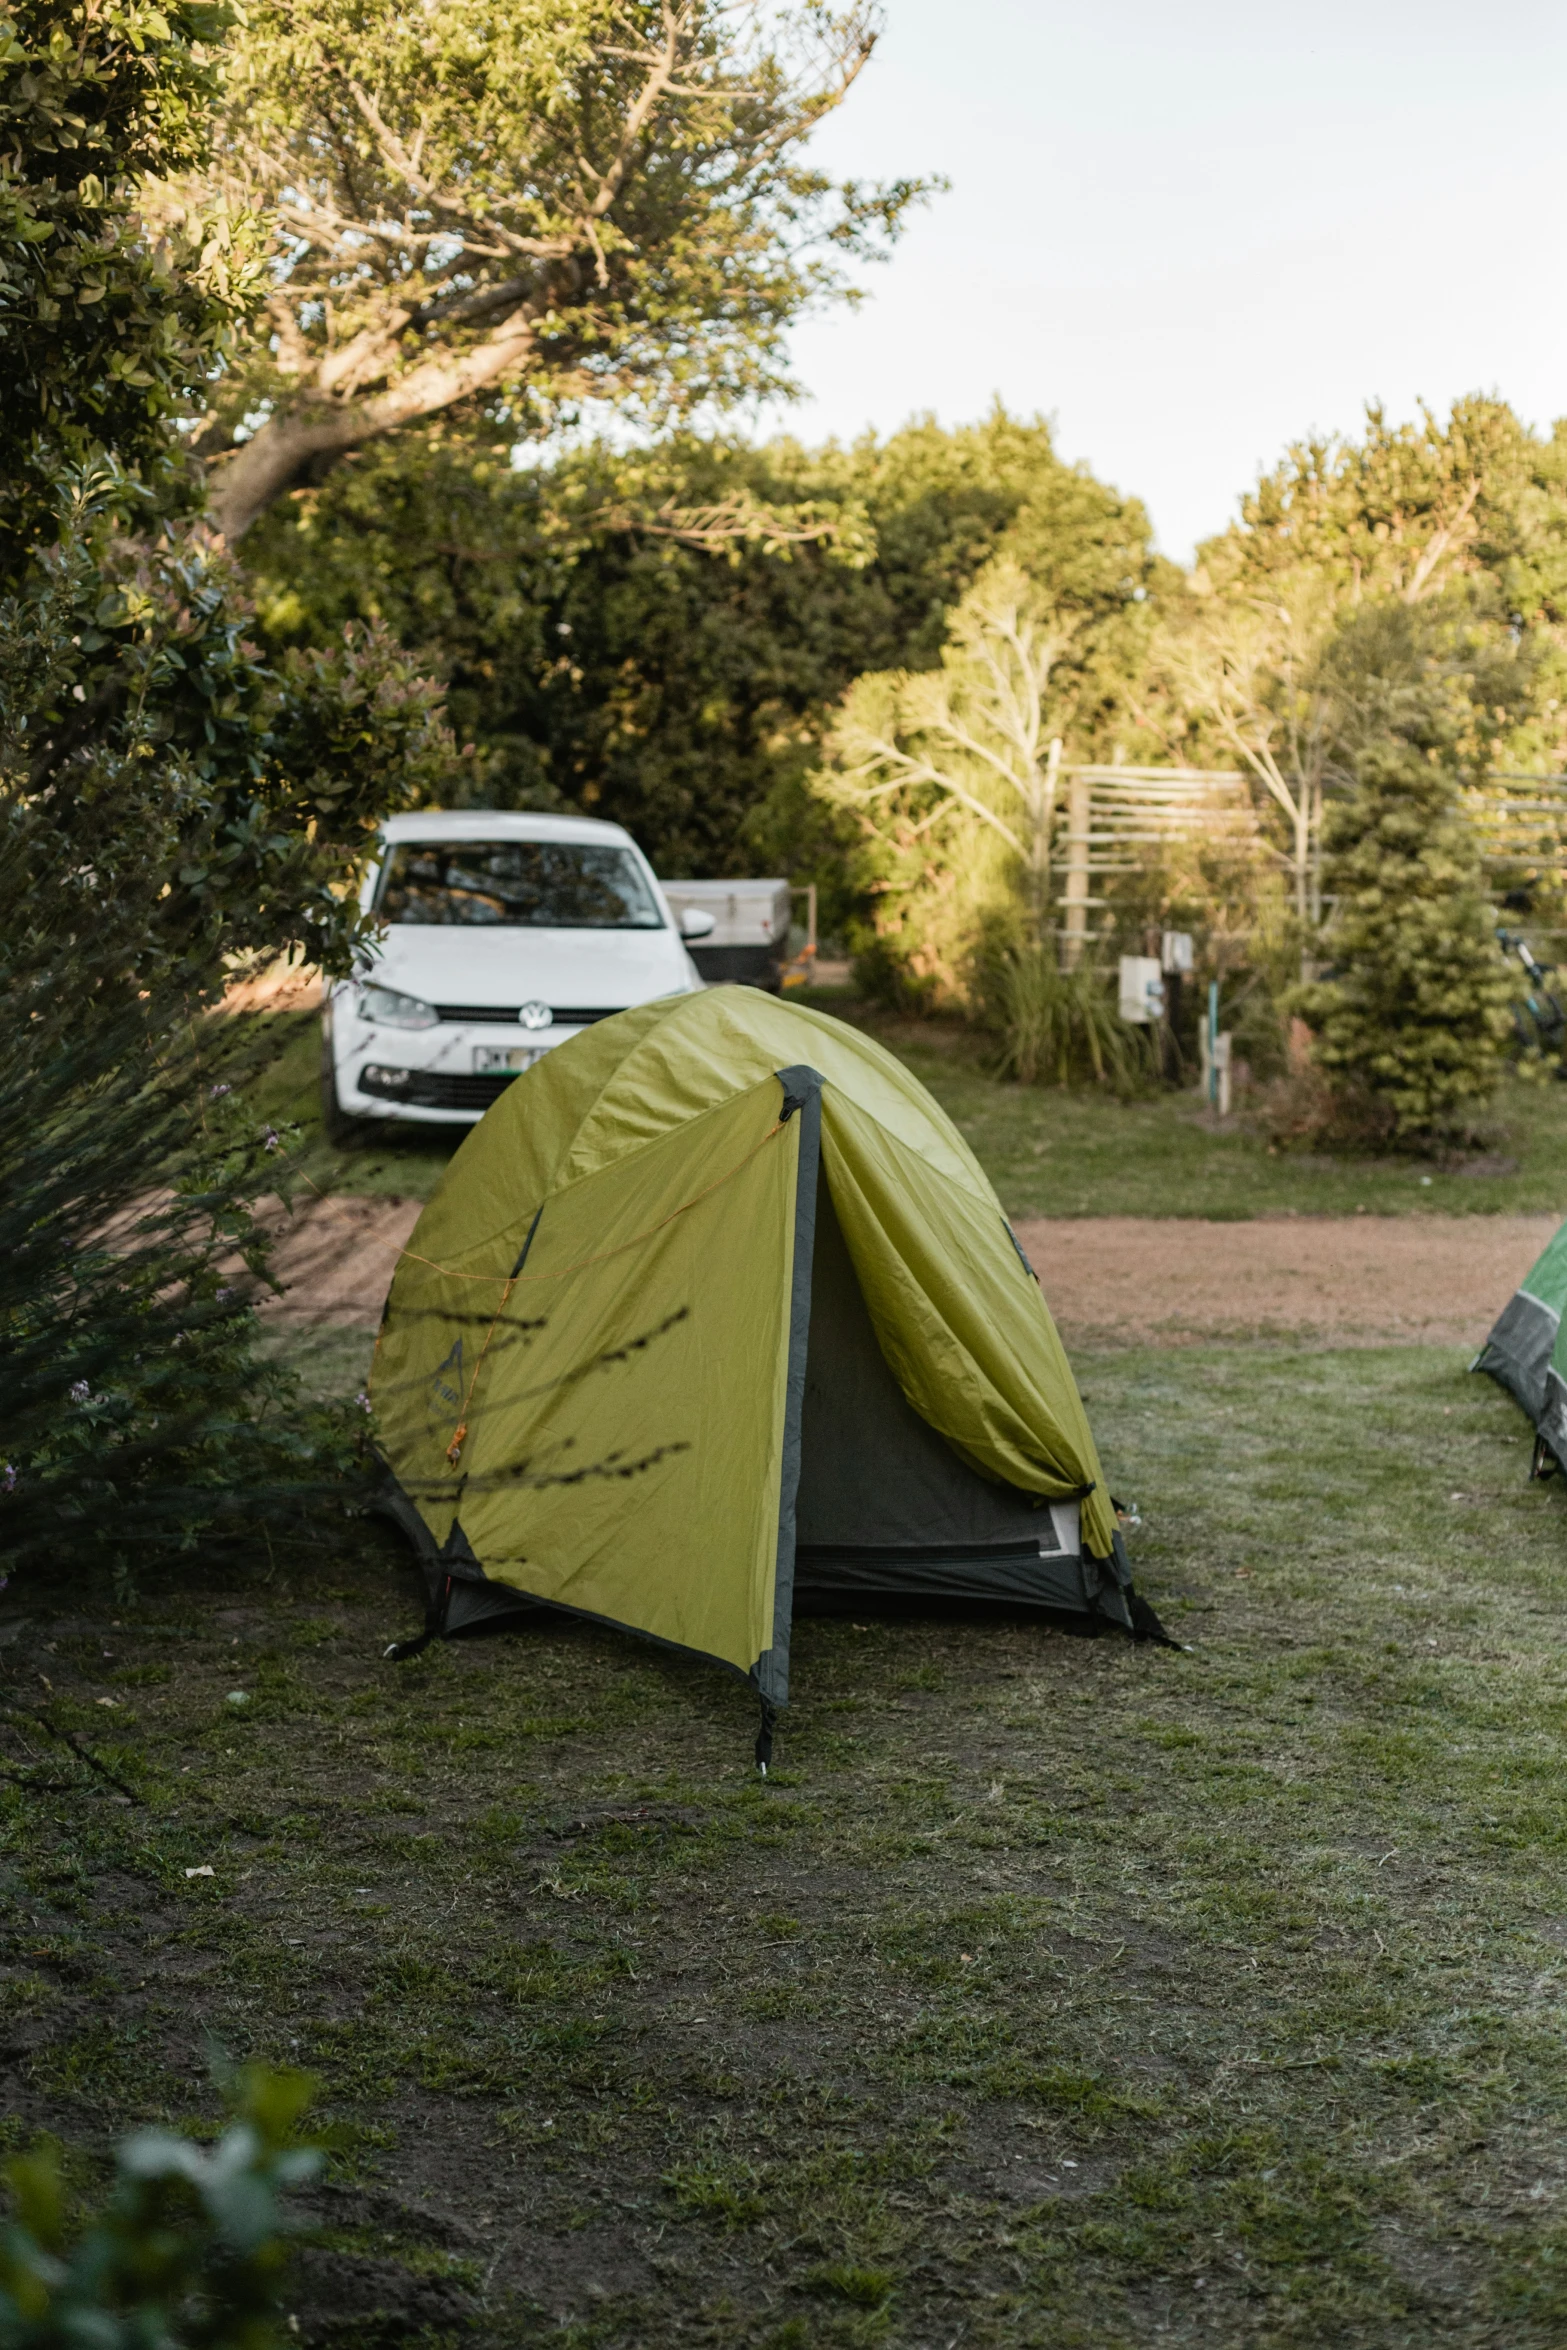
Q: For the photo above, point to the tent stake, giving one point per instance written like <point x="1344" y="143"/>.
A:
<point x="764" y="1736"/>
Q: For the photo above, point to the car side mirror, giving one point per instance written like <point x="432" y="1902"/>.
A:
<point x="695" y="922"/>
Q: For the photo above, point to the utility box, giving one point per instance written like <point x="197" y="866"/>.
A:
<point x="1142" y="990"/>
<point x="1176" y="953"/>
<point x="749" y="943"/>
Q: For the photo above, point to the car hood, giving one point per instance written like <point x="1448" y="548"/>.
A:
<point x="605" y="970"/>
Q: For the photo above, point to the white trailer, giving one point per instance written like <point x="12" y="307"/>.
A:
<point x="749" y="941"/>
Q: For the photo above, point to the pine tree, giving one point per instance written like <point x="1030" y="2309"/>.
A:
<point x="1413" y="1017"/>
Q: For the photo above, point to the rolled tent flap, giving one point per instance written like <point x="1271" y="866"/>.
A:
<point x="960" y="1319"/>
<point x="591" y="1370"/>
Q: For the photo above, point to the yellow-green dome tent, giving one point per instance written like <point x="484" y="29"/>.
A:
<point x="713" y="1313"/>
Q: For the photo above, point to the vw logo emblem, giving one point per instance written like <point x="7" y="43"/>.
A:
<point x="536" y="1016"/>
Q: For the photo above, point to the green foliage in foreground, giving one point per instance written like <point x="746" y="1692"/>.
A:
<point x="1054" y="1993"/>
<point x="188" y="2253"/>
<point x="169" y="806"/>
<point x="136" y="1414"/>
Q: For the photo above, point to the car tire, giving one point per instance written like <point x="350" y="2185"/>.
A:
<point x="342" y="1131"/>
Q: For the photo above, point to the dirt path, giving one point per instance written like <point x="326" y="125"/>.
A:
<point x="335" y="1258"/>
<point x="1438" y="1280"/>
<point x="1432" y="1280"/>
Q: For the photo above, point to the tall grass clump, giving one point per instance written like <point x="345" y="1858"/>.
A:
<point x="1058" y="1027"/>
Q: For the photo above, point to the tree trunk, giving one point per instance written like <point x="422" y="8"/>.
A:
<point x="247" y="481"/>
<point x="250" y="478"/>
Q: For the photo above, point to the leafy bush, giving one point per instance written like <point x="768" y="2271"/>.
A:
<point x="137" y="1411"/>
<point x="190" y="2251"/>
<point x="170" y="807"/>
<point x="105" y="333"/>
<point x="135" y="1407"/>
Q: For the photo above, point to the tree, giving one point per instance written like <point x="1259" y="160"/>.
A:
<point x="169" y="803"/>
<point x="105" y="334"/>
<point x="598" y="663"/>
<point x="1243" y="669"/>
<point x="133" y="703"/>
<point x="1411" y="509"/>
<point x="207" y="811"/>
<point x="1409" y="1024"/>
<point x="948" y="774"/>
<point x="138" y="722"/>
<point x="568" y="200"/>
<point x="951" y="775"/>
<point x="1413" y="1018"/>
<point x="1469" y="516"/>
<point x="958" y="768"/>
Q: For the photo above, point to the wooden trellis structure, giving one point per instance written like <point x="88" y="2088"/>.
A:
<point x="1114" y="815"/>
<point x="1106" y="819"/>
<point x="1522" y="823"/>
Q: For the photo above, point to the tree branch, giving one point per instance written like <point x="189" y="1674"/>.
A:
<point x="259" y="471"/>
<point x="921" y="771"/>
<point x="1440" y="543"/>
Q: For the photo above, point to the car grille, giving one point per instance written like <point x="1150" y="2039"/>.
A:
<point x="433" y="1089"/>
<point x="563" y="1015"/>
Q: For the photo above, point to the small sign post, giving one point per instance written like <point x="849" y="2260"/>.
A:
<point x="1215" y="1056"/>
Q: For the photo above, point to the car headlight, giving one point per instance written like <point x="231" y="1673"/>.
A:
<point x="387" y="1009"/>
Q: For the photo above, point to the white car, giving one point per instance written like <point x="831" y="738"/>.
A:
<point x="501" y="935"/>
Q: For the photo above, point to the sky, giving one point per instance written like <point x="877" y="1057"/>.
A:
<point x="1190" y="231"/>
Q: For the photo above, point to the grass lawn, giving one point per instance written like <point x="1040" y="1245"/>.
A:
<point x="1060" y="1154"/>
<point x="1054" y="1992"/>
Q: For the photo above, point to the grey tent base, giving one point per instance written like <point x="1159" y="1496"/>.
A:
<point x="460" y="1597"/>
<point x="1011" y="1576"/>
<point x="1517" y="1355"/>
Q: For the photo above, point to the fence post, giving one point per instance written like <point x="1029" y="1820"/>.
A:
<point x="1078" y="811"/>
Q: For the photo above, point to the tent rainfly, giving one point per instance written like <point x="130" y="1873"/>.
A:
<point x="713" y="1317"/>
<point x="1527" y="1354"/>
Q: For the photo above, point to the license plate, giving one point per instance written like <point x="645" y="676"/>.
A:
<point x="490" y="1059"/>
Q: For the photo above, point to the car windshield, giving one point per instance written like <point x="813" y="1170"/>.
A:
<point x="529" y="884"/>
